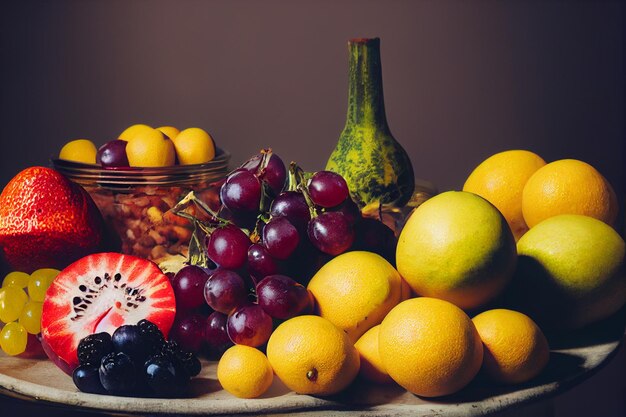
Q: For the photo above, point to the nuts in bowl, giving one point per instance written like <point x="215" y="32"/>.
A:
<point x="136" y="201"/>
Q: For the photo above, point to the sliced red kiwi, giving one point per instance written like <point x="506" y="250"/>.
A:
<point x="99" y="293"/>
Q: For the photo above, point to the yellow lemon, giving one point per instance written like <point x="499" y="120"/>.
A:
<point x="194" y="146"/>
<point x="372" y="368"/>
<point x="457" y="246"/>
<point x="515" y="348"/>
<point x="568" y="186"/>
<point x="430" y="347"/>
<point x="169" y="131"/>
<point x="134" y="130"/>
<point x="500" y="179"/>
<point x="355" y="291"/>
<point x="312" y="356"/>
<point x="150" y="149"/>
<point x="79" y="150"/>
<point x="244" y="371"/>
<point x="570" y="272"/>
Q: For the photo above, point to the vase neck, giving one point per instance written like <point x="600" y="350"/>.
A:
<point x="366" y="104"/>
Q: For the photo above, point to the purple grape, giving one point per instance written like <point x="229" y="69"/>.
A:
<point x="241" y="192"/>
<point x="113" y="154"/>
<point x="188" y="332"/>
<point x="328" y="189"/>
<point x="249" y="325"/>
<point x="281" y="297"/>
<point x="260" y="262"/>
<point x="331" y="233"/>
<point x="275" y="173"/>
<point x="349" y="209"/>
<point x="225" y="291"/>
<point x="228" y="247"/>
<point x="293" y="207"/>
<point x="280" y="238"/>
<point x="216" y="338"/>
<point x="188" y="285"/>
<point x="374" y="236"/>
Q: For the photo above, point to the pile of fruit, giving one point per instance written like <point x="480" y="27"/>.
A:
<point x="143" y="146"/>
<point x="286" y="278"/>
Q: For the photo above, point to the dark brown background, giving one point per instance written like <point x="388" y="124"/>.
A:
<point x="462" y="80"/>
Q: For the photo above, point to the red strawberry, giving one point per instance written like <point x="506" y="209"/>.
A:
<point x="47" y="221"/>
<point x="99" y="293"/>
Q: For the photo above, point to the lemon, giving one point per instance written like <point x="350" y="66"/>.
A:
<point x="570" y="272"/>
<point x="134" y="130"/>
<point x="150" y="149"/>
<point x="430" y="347"/>
<point x="194" y="146"/>
<point x="456" y="246"/>
<point x="515" y="348"/>
<point x="312" y="356"/>
<point x="79" y="150"/>
<point x="355" y="291"/>
<point x="372" y="368"/>
<point x="500" y="179"/>
<point x="244" y="371"/>
<point x="169" y="131"/>
<point x="568" y="186"/>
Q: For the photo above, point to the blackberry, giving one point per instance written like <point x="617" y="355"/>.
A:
<point x="152" y="335"/>
<point x="92" y="348"/>
<point x="187" y="361"/>
<point x="117" y="373"/>
<point x="163" y="377"/>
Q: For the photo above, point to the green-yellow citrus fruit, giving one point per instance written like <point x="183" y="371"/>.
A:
<point x="457" y="247"/>
<point x="570" y="271"/>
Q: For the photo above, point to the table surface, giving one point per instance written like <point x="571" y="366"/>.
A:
<point x="41" y="388"/>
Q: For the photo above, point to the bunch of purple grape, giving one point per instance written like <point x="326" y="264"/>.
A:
<point x="274" y="230"/>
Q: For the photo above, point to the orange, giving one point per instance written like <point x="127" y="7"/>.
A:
<point x="355" y="291"/>
<point x="500" y="179"/>
<point x="430" y="347"/>
<point x="150" y="148"/>
<point x="244" y="371"/>
<point x="312" y="356"/>
<point x="134" y="130"/>
<point x="515" y="348"/>
<point x="458" y="247"/>
<point x="568" y="186"/>
<point x="79" y="150"/>
<point x="372" y="368"/>
<point x="169" y="131"/>
<point x="194" y="146"/>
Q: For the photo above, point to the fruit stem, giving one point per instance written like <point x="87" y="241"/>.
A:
<point x="309" y="202"/>
<point x="265" y="160"/>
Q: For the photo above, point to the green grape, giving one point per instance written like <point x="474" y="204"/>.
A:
<point x="31" y="317"/>
<point x="13" y="339"/>
<point x="12" y="301"/>
<point x="16" y="279"/>
<point x="39" y="282"/>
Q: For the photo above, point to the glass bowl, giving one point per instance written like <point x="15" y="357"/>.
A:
<point x="136" y="203"/>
